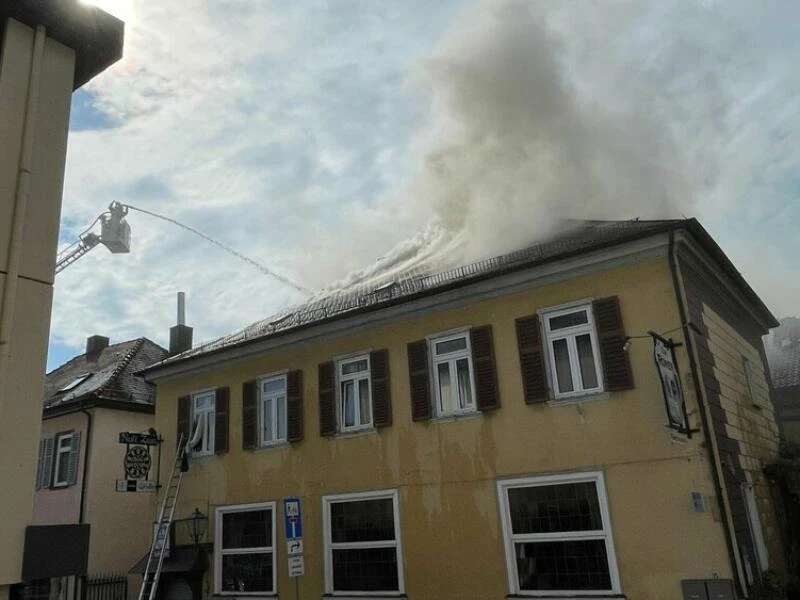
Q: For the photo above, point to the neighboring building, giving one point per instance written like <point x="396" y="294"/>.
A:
<point x="784" y="359"/>
<point x="38" y="73"/>
<point x="496" y="430"/>
<point x="87" y="403"/>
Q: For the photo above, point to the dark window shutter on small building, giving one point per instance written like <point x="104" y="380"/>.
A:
<point x="327" y="407"/>
<point x="250" y="415"/>
<point x="74" y="456"/>
<point x="531" y="359"/>
<point x="294" y="406"/>
<point x="381" y="392"/>
<point x="616" y="363"/>
<point x="184" y="413"/>
<point x="419" y="380"/>
<point x="221" y="417"/>
<point x="45" y="478"/>
<point x="486" y="390"/>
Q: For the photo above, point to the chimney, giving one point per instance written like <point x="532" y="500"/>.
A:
<point x="95" y="345"/>
<point x="180" y="336"/>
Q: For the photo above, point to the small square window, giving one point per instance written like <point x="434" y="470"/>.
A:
<point x="453" y="381"/>
<point x="203" y="423"/>
<point x="573" y="351"/>
<point x="272" y="410"/>
<point x="355" y="393"/>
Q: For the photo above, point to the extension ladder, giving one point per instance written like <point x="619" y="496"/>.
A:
<point x="155" y="560"/>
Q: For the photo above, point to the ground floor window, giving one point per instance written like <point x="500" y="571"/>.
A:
<point x="362" y="543"/>
<point x="557" y="535"/>
<point x="245" y="559"/>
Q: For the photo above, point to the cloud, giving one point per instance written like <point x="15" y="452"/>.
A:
<point x="316" y="137"/>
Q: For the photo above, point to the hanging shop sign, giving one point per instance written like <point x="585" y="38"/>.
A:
<point x="664" y="355"/>
<point x="138" y="462"/>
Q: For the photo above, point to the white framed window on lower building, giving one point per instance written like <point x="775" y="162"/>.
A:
<point x="355" y="393"/>
<point x="557" y="535"/>
<point x="453" y="381"/>
<point x="573" y="350"/>
<point x="203" y="423"/>
<point x="244" y="550"/>
<point x="363" y="552"/>
<point x="272" y="410"/>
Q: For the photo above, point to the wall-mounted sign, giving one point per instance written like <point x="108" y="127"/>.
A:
<point x="137" y="462"/>
<point x="136" y="485"/>
<point x="294" y="521"/>
<point x="142" y="439"/>
<point x="664" y="355"/>
<point x="162" y="539"/>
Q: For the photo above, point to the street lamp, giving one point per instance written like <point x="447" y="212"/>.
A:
<point x="197" y="525"/>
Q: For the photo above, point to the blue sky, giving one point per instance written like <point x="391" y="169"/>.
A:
<point x="316" y="136"/>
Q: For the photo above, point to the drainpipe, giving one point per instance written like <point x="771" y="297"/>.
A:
<point x="20" y="208"/>
<point x="84" y="479"/>
<point x="709" y="443"/>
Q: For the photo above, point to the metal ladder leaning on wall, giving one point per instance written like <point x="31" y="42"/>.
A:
<point x="155" y="560"/>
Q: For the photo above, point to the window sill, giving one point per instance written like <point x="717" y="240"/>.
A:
<point x="344" y="596"/>
<point x="282" y="445"/>
<point x="571" y="400"/>
<point x="567" y="596"/>
<point x="242" y="596"/>
<point x="457" y="417"/>
<point x="354" y="433"/>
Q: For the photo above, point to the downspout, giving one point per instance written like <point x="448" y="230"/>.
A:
<point x="698" y="391"/>
<point x="84" y="479"/>
<point x="20" y="209"/>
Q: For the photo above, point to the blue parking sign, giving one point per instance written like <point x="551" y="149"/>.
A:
<point x="294" y="521"/>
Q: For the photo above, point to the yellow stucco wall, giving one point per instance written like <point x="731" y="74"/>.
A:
<point x="22" y="388"/>
<point x="754" y="427"/>
<point x="446" y="472"/>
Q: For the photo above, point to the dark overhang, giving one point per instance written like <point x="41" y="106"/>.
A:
<point x="95" y="35"/>
<point x="55" y="551"/>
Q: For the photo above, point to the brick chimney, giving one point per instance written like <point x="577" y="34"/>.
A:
<point x="95" y="344"/>
<point x="180" y="336"/>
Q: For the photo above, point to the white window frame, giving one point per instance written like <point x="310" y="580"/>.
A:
<point x="451" y="359"/>
<point x="262" y="398"/>
<point x="754" y="523"/>
<point x="327" y="501"/>
<point x="207" y="448"/>
<point x="355" y="377"/>
<point x="570" y="334"/>
<point x="61" y="454"/>
<point x="509" y="539"/>
<point x="219" y="552"/>
<point x="747" y="367"/>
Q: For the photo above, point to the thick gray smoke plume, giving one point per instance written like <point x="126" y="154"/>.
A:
<point x="544" y="113"/>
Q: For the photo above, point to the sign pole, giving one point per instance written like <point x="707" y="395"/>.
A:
<point x="296" y="588"/>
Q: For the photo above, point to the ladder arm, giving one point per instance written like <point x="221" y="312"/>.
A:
<point x="69" y="255"/>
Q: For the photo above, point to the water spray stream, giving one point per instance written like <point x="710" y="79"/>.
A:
<point x="257" y="265"/>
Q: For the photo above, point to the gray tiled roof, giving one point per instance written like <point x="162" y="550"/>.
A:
<point x="111" y="375"/>
<point x="784" y="354"/>
<point x="578" y="238"/>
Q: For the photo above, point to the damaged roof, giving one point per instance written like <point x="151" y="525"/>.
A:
<point x="582" y="237"/>
<point x="107" y="375"/>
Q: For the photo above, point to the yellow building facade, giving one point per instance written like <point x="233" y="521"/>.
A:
<point x="531" y="457"/>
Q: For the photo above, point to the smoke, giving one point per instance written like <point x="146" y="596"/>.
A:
<point x="546" y="113"/>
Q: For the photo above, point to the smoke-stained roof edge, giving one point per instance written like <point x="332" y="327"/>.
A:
<point x="692" y="226"/>
<point x="94" y="35"/>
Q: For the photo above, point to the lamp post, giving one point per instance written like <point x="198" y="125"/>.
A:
<point x="197" y="525"/>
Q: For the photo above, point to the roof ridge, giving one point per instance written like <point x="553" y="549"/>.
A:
<point x="121" y="365"/>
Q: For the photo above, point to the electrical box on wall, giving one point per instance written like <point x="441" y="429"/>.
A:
<point x="698" y="502"/>
<point x="708" y="589"/>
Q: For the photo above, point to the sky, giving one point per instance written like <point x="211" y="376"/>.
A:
<point x="318" y="137"/>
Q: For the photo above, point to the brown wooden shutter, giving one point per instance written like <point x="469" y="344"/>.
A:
<point x="381" y="392"/>
<point x="419" y="380"/>
<point x="221" y="405"/>
<point x="616" y="363"/>
<point x="531" y="359"/>
<point x="294" y="406"/>
<point x="184" y="414"/>
<point x="327" y="405"/>
<point x="486" y="389"/>
<point x="250" y="415"/>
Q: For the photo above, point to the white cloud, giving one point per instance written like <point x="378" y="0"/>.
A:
<point x="292" y="132"/>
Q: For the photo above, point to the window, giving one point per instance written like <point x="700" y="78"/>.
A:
<point x="573" y="351"/>
<point x="756" y="533"/>
<point x="245" y="562"/>
<point x="202" y="436"/>
<point x="273" y="410"/>
<point x="749" y="382"/>
<point x="451" y="358"/>
<point x="362" y="543"/>
<point x="557" y="535"/>
<point x="355" y="397"/>
<point x="58" y="460"/>
<point x="74" y="383"/>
